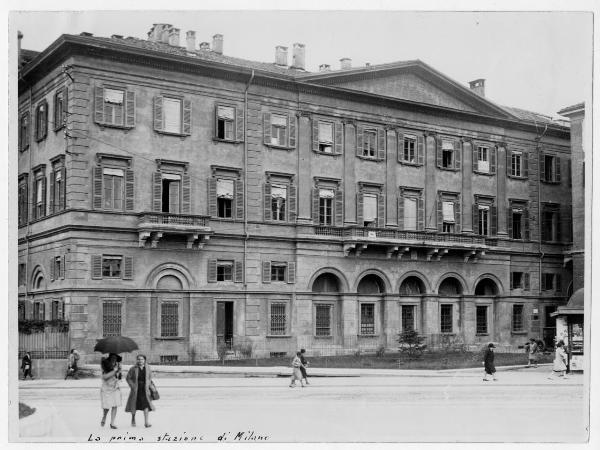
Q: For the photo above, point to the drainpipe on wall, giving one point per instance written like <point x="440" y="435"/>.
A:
<point x="29" y="196"/>
<point x="246" y="236"/>
<point x="540" y="221"/>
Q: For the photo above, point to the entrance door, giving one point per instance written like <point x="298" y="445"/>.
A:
<point x="549" y="327"/>
<point x="225" y="323"/>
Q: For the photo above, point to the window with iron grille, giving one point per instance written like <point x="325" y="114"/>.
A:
<point x="323" y="320"/>
<point x="169" y="319"/>
<point x="278" y="318"/>
<point x="367" y="318"/>
<point x="408" y="317"/>
<point x="168" y="359"/>
<point x="446" y="318"/>
<point x="111" y="318"/>
<point x="481" y="320"/>
<point x="517" y="318"/>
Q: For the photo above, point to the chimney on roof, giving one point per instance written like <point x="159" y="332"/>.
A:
<point x="19" y="37"/>
<point x="345" y="63"/>
<point x="204" y="45"/>
<point x="117" y="36"/>
<point x="159" y="32"/>
<point x="217" y="46"/>
<point x="281" y="56"/>
<point x="324" y="68"/>
<point x="190" y="40"/>
<point x="298" y="56"/>
<point x="174" y="37"/>
<point x="478" y="86"/>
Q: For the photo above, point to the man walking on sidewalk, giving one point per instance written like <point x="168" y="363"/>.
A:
<point x="488" y="363"/>
<point x="304" y="364"/>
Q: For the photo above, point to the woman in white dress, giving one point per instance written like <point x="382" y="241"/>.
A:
<point x="110" y="393"/>
<point x="296" y="373"/>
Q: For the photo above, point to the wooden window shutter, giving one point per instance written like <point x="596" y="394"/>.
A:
<point x="493" y="154"/>
<point x="33" y="199"/>
<point x="186" y="193"/>
<point x="238" y="272"/>
<point x="52" y="267"/>
<point x="291" y="272"/>
<point x="543" y="282"/>
<point x="239" y="124"/>
<point x="457" y="216"/>
<point x="61" y="310"/>
<point x="381" y="139"/>
<point x="558" y="227"/>
<point x="509" y="213"/>
<point x="96" y="267"/>
<point x="542" y="167"/>
<point x="475" y="157"/>
<point x="52" y="193"/>
<point x="157" y="192"/>
<point x="239" y="199"/>
<point x="339" y="207"/>
<point x="266" y="271"/>
<point x="457" y="154"/>
<point x="508" y="163"/>
<point x="421" y="214"/>
<point x="267" y="201"/>
<point x="62" y="195"/>
<point x="438" y="151"/>
<point x="212" y="271"/>
<point x="127" y="267"/>
<point x="475" y="218"/>
<point x="401" y="212"/>
<point x="440" y="217"/>
<point x="338" y="145"/>
<point x="557" y="282"/>
<point x="525" y="164"/>
<point x="512" y="280"/>
<point x="557" y="169"/>
<point x="63" y="266"/>
<point x="129" y="189"/>
<point x="45" y="120"/>
<point x="97" y="188"/>
<point x="315" y="205"/>
<point x="360" y="221"/>
<point x="359" y="140"/>
<point x="420" y="149"/>
<point x="526" y="281"/>
<point x="267" y="128"/>
<point x="292" y="130"/>
<point x="493" y="220"/>
<point x="159" y="119"/>
<point x="526" y="224"/>
<point x="315" y="135"/>
<point x="292" y="202"/>
<point x="216" y="127"/>
<point x="381" y="211"/>
<point x="400" y="146"/>
<point x="130" y="109"/>
<point x="212" y="197"/>
<point x="43" y="213"/>
<point x="186" y="126"/>
<point x="99" y="104"/>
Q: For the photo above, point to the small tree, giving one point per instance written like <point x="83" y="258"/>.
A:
<point x="411" y="343"/>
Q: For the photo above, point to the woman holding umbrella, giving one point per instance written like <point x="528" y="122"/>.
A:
<point x="139" y="379"/>
<point x="110" y="393"/>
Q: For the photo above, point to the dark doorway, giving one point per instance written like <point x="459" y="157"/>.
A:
<point x="225" y="323"/>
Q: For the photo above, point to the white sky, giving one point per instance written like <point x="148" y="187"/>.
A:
<point x="540" y="61"/>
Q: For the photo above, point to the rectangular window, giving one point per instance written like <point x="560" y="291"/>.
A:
<point x="326" y="197"/>
<point x="326" y="137"/>
<point x="39" y="186"/>
<point x="410" y="213"/>
<point x="278" y="202"/>
<point x="111" y="318"/>
<point x="367" y="318"/>
<point x="279" y="130"/>
<point x="447" y="155"/>
<point x="172" y="115"/>
<point x="58" y="268"/>
<point x="57" y="310"/>
<point x="446" y="318"/>
<point x="225" y="271"/>
<point x="24" y="132"/>
<point x="278" y="319"/>
<point x="58" y="195"/>
<point x="22" y="274"/>
<point x="483" y="161"/>
<point x="171" y="193"/>
<point x="41" y="121"/>
<point x="370" y="143"/>
<point x="113" y="106"/>
<point x="370" y="210"/>
<point x="169" y="319"/>
<point x="484" y="220"/>
<point x="448" y="217"/>
<point x="23" y="201"/>
<point x="409" y="153"/>
<point x="323" y="320"/>
<point x="113" y="186"/>
<point x="225" y="198"/>
<point x="517" y="318"/>
<point x="550" y="225"/>
<point x="60" y="110"/>
<point x="408" y="318"/>
<point x="549" y="168"/>
<point x="481" y="320"/>
<point x="111" y="266"/>
<point x="516" y="164"/>
<point x="517" y="279"/>
<point x="21" y="310"/>
<point x="550" y="282"/>
<point x="39" y="311"/>
<point x="278" y="272"/>
<point x="225" y="122"/>
<point x="517" y="224"/>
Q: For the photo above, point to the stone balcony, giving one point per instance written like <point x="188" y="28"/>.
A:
<point x="405" y="244"/>
<point x="152" y="227"/>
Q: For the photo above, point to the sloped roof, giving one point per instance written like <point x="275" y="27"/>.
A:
<point x="27" y="56"/>
<point x="530" y="116"/>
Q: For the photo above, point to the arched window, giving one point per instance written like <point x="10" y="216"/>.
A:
<point x="326" y="282"/>
<point x="412" y="286"/>
<point x="450" y="286"/>
<point x="486" y="287"/>
<point x="371" y="284"/>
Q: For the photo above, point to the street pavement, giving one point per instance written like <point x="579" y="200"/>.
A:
<point x="425" y="406"/>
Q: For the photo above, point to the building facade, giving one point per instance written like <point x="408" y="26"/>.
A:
<point x="191" y="200"/>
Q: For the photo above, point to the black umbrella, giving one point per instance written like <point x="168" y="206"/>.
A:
<point x="115" y="344"/>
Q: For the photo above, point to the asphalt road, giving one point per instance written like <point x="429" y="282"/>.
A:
<point x="523" y="406"/>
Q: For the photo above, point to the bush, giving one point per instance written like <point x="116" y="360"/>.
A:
<point x="411" y="343"/>
<point x="243" y="347"/>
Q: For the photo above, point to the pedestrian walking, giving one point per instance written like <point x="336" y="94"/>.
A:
<point x="304" y="365"/>
<point x="26" y="365"/>
<point x="488" y="363"/>
<point x="296" y="373"/>
<point x="532" y="353"/>
<point x="72" y="367"/>
<point x="559" y="367"/>
<point x="110" y="392"/>
<point x="139" y="379"/>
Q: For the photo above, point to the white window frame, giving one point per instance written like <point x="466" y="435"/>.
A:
<point x="223" y="264"/>
<point x="279" y="265"/>
<point x="373" y="222"/>
<point x="483" y="220"/>
<point x="326" y="145"/>
<point x="109" y="202"/>
<point x="408" y="150"/>
<point x="370" y="143"/>
<point x="279" y="203"/>
<point x="516" y="164"/>
<point x="448" y="146"/>
<point x="110" y="108"/>
<point x="114" y="258"/>
<point x="483" y="159"/>
<point x="172" y="126"/>
<point x="279" y="130"/>
<point x="228" y="123"/>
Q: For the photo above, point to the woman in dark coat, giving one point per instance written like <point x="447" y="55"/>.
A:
<point x="488" y="363"/>
<point x="139" y="379"/>
<point x="26" y="366"/>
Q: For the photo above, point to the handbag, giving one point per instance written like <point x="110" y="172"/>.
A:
<point x="154" y="395"/>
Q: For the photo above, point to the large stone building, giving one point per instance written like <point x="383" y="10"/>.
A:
<point x="185" y="198"/>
